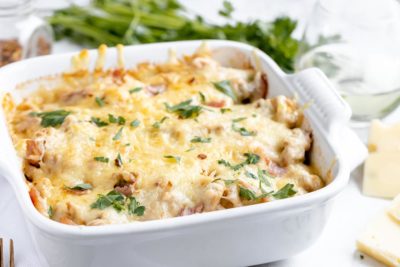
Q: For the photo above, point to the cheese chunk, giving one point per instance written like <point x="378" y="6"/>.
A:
<point x="381" y="240"/>
<point x="382" y="175"/>
<point x="394" y="209"/>
<point x="383" y="138"/>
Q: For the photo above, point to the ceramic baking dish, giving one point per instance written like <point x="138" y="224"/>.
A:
<point x="235" y="237"/>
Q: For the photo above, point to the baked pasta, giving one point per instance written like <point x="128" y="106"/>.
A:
<point x="156" y="141"/>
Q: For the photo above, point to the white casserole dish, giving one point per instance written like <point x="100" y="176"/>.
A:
<point x="235" y="237"/>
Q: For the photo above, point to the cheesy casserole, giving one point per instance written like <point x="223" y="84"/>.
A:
<point x="158" y="141"/>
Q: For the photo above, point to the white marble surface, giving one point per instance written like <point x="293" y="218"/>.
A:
<point x="351" y="211"/>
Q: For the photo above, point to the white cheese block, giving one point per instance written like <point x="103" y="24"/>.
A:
<point x="382" y="175"/>
<point x="381" y="240"/>
<point x="384" y="138"/>
<point x="394" y="209"/>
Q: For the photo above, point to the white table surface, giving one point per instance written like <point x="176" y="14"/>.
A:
<point x="351" y="210"/>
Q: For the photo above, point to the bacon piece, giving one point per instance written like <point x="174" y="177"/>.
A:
<point x="125" y="182"/>
<point x="216" y="104"/>
<point x="155" y="89"/>
<point x="125" y="189"/>
<point x="35" y="151"/>
<point x="189" y="211"/>
<point x="202" y="156"/>
<point x="76" y="96"/>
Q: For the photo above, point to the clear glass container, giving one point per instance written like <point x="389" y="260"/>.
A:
<point x="357" y="45"/>
<point x="22" y="33"/>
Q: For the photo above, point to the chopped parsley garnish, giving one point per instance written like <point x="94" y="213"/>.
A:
<point x="98" y="122"/>
<point x="118" y="161"/>
<point x="184" y="110"/>
<point x="224" y="110"/>
<point x="190" y="149"/>
<point x="99" y="101"/>
<point x="225" y="87"/>
<point x="50" y="212"/>
<point x="198" y="139"/>
<point x="249" y="194"/>
<point x="157" y="124"/>
<point x="285" y="192"/>
<point x="250" y="159"/>
<point x="112" y="119"/>
<point x="113" y="198"/>
<point x="101" y="159"/>
<point x="134" y="123"/>
<point x="243" y="131"/>
<point x="202" y="98"/>
<point x="175" y="158"/>
<point x="119" y="202"/>
<point x="250" y="175"/>
<point x="51" y="118"/>
<point x="80" y="187"/>
<point x="239" y="119"/>
<point x="135" y="90"/>
<point x="118" y="135"/>
<point x="134" y="207"/>
<point x="263" y="176"/>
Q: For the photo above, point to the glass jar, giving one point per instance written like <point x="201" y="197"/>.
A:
<point x="22" y="34"/>
<point x="356" y="44"/>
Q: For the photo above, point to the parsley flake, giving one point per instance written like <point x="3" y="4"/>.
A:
<point x="99" y="101"/>
<point x="134" y="123"/>
<point x="198" y="139"/>
<point x="112" y="119"/>
<point x="184" y="110"/>
<point x="157" y="124"/>
<point x="285" y="192"/>
<point x="250" y="159"/>
<point x="101" y="159"/>
<point x="51" y="118"/>
<point x="134" y="207"/>
<point x="135" y="90"/>
<point x="225" y="87"/>
<point x="118" y="135"/>
<point x="175" y="158"/>
<point x="80" y="187"/>
<point x="98" y="122"/>
<point x="118" y="161"/>
<point x="243" y="131"/>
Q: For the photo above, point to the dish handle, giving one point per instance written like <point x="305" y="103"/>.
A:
<point x="331" y="112"/>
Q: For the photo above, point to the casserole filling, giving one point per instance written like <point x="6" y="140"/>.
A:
<point x="158" y="141"/>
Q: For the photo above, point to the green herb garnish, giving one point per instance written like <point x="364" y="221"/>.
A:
<point x="243" y="131"/>
<point x="99" y="101"/>
<point x="118" y="135"/>
<point x="225" y="87"/>
<point x="175" y="158"/>
<point x="224" y="110"/>
<point x="135" y="90"/>
<point x="51" y="118"/>
<point x="98" y="122"/>
<point x="112" y="119"/>
<point x="134" y="207"/>
<point x="285" y="192"/>
<point x="50" y="212"/>
<point x="198" y="139"/>
<point x="134" y="123"/>
<point x="118" y="161"/>
<point x="184" y="110"/>
<point x="202" y="98"/>
<point x="157" y="124"/>
<point x="250" y="159"/>
<point x="101" y="159"/>
<point x="250" y="195"/>
<point x="250" y="175"/>
<point x="226" y="10"/>
<point x="113" y="198"/>
<point x="239" y="119"/>
<point x="80" y="187"/>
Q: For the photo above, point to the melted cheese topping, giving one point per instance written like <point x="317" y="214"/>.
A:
<point x="226" y="155"/>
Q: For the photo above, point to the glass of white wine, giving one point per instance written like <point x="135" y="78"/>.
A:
<point x="356" y="43"/>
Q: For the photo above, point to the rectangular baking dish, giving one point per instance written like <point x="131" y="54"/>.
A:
<point x="235" y="237"/>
